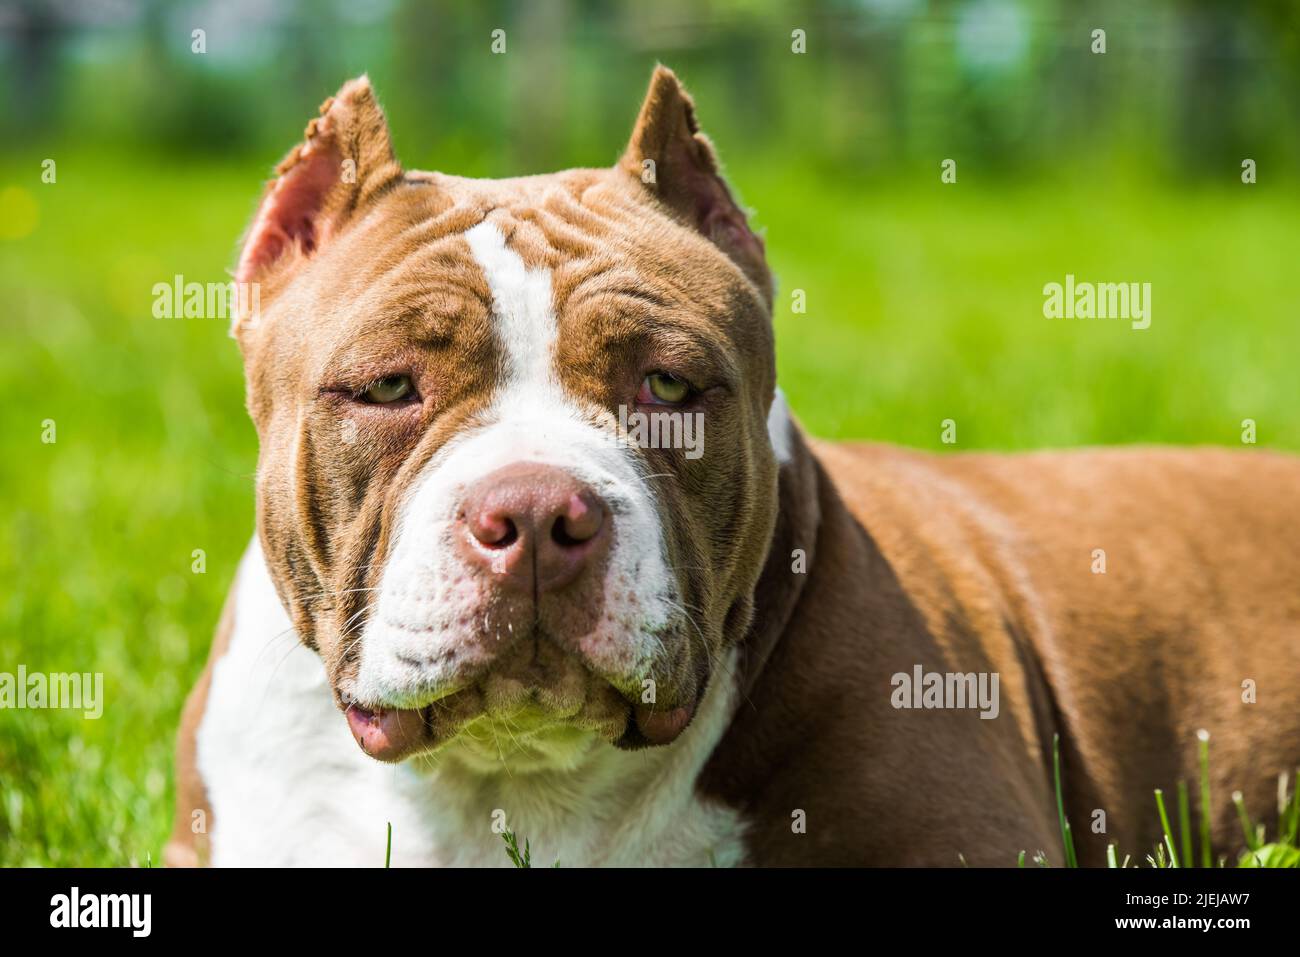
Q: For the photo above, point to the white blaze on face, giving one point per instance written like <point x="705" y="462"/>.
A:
<point x="431" y="612"/>
<point x="522" y="314"/>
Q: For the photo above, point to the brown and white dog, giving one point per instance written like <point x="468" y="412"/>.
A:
<point x="774" y="652"/>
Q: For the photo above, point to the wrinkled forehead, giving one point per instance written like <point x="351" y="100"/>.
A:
<point x="446" y="246"/>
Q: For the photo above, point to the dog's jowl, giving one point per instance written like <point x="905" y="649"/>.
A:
<point x="502" y="583"/>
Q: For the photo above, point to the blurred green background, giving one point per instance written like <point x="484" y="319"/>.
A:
<point x="924" y="299"/>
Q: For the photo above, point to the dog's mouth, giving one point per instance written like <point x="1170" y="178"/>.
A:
<point x="395" y="734"/>
<point x="391" y="734"/>
<point x="528" y="713"/>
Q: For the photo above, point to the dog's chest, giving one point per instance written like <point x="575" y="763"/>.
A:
<point x="288" y="785"/>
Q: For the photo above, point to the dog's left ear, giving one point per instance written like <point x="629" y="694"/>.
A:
<point x="676" y="162"/>
<point x="344" y="162"/>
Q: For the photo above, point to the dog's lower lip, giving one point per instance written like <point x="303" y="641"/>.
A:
<point x="388" y="734"/>
<point x="663" y="726"/>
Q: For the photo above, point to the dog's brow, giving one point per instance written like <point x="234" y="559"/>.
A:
<point x="590" y="289"/>
<point x="641" y="295"/>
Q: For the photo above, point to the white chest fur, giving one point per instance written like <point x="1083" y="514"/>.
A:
<point x="288" y="785"/>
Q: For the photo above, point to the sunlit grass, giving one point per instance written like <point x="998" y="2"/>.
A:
<point x="1257" y="851"/>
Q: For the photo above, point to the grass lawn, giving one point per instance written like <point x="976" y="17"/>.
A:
<point x="924" y="303"/>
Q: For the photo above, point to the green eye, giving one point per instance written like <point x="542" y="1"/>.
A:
<point x="667" y="388"/>
<point x="389" y="389"/>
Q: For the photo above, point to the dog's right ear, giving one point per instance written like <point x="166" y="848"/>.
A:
<point x="676" y="163"/>
<point x="344" y="163"/>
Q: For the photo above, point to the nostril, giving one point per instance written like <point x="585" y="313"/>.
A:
<point x="578" y="524"/>
<point x="495" y="531"/>
<point x="561" y="536"/>
<point x="509" y="535"/>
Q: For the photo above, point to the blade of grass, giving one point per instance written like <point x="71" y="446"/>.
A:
<point x="1288" y="825"/>
<point x="1203" y="737"/>
<point x="1070" y="860"/>
<point x="1185" y="824"/>
<point x="523" y="860"/>
<point x="1252" y="839"/>
<point x="1164" y="823"/>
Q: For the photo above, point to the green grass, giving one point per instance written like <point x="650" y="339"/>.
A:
<point x="519" y="858"/>
<point x="923" y="303"/>
<point x="1284" y="852"/>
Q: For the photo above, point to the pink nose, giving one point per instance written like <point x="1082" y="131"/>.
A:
<point x="534" y="528"/>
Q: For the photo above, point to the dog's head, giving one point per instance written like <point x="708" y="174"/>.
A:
<point x="515" y="473"/>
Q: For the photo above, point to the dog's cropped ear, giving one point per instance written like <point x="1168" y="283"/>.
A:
<point x="676" y="163"/>
<point x="344" y="162"/>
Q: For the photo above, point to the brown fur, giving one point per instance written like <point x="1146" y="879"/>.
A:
<point x="983" y="563"/>
<point x="957" y="563"/>
<point x="326" y="508"/>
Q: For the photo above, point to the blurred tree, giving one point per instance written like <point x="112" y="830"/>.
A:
<point x="33" y="30"/>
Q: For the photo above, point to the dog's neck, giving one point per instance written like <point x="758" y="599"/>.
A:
<point x="793" y="550"/>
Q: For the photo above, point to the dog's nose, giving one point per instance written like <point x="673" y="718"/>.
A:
<point x="533" y="527"/>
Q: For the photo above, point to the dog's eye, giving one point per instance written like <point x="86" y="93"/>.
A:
<point x="393" y="388"/>
<point x="662" y="388"/>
